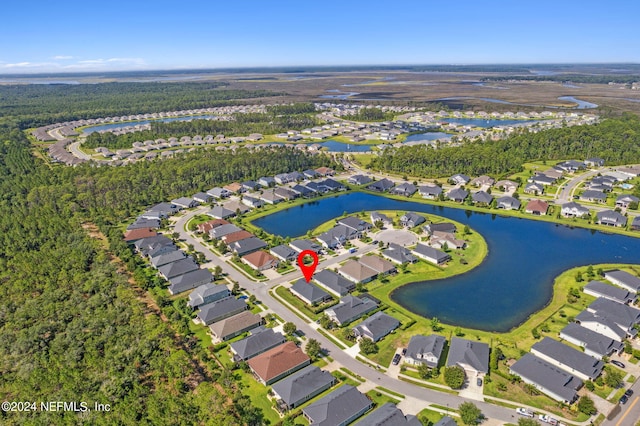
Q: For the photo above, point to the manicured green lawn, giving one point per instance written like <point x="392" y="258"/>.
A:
<point x="429" y="417"/>
<point x="380" y="398"/>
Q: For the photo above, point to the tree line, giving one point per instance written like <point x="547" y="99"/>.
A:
<point x="617" y="141"/>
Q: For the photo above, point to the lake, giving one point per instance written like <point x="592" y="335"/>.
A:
<point x="514" y="281"/>
<point x="427" y="136"/>
<point x="484" y="123"/>
<point x="114" y="126"/>
<point x="336" y="146"/>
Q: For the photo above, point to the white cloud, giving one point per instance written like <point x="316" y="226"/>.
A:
<point x="61" y="57"/>
<point x="99" y="64"/>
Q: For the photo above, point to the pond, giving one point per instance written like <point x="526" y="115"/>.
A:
<point x="114" y="126"/>
<point x="514" y="281"/>
<point x="485" y="123"/>
<point x="335" y="146"/>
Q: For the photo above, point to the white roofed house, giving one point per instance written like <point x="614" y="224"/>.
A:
<point x="573" y="209"/>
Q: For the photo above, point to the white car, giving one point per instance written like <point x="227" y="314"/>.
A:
<point x="547" y="419"/>
<point x="524" y="412"/>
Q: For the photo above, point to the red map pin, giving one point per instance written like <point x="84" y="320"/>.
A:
<point x="307" y="270"/>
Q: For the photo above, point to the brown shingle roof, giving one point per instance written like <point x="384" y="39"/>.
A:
<point x="138" y="234"/>
<point x="236" y="236"/>
<point x="378" y="264"/>
<point x="209" y="225"/>
<point x="277" y="361"/>
<point x="258" y="259"/>
<point x="233" y="187"/>
<point x="537" y="206"/>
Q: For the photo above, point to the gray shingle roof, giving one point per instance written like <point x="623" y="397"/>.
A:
<point x="482" y="197"/>
<point x="592" y="341"/>
<point x="388" y="415"/>
<point x="257" y="343"/>
<point x="189" y="280"/>
<point x="420" y="346"/>
<point x="247" y="245"/>
<point x="166" y="258"/>
<point x="223" y="230"/>
<point x="309" y="292"/>
<point x="457" y="194"/>
<point x="206" y="292"/>
<point x="624" y="278"/>
<point x="334" y="282"/>
<point x="376" y="326"/>
<point x="601" y="289"/>
<point x="432" y="253"/>
<point x="302" y="245"/>
<point x="548" y="376"/>
<point x="284" y="252"/>
<point x="338" y="407"/>
<point x="180" y="267"/>
<point x="623" y="315"/>
<point x="351" y="308"/>
<point x="469" y="352"/>
<point x="301" y="384"/>
<point x="398" y="254"/>
<point x="220" y="309"/>
<point x="566" y="355"/>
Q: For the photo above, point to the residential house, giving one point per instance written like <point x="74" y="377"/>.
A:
<point x="541" y="179"/>
<point x="325" y="171"/>
<point x="546" y="377"/>
<point x="378" y="264"/>
<point x="283" y="178"/>
<point x="593" y="196"/>
<point x="431" y="254"/>
<point x="260" y="260"/>
<point x="443" y="240"/>
<point x="220" y="309"/>
<point x="359" y="180"/>
<point x="310" y="174"/>
<point x="207" y="293"/>
<point x="430" y="192"/>
<point x="309" y="293"/>
<point x="595" y="344"/>
<point x="236" y="206"/>
<point x="384" y="219"/>
<point x="625" y="200"/>
<point x="376" y="326"/>
<point x="219" y="193"/>
<point x="459" y="179"/>
<point x="252" y="202"/>
<point x="357" y="272"/>
<point x="483" y="180"/>
<point x="285" y="193"/>
<point x="333" y="282"/>
<point x="220" y="212"/>
<point x="180" y="267"/>
<point x="635" y="225"/>
<point x="250" y="185"/>
<point x="457" y="194"/>
<point x="472" y="356"/>
<point x="571" y="166"/>
<point x="534" y="188"/>
<point x="482" y="198"/>
<point x="338" y="408"/>
<point x="336" y="236"/>
<point x="507" y="185"/>
<point x="202" y="197"/>
<point x="617" y="294"/>
<point x="246" y="246"/>
<point x="425" y="350"/>
<point x="284" y="253"/>
<point x="278" y="362"/>
<point x="134" y="235"/>
<point x="406" y="189"/>
<point x="223" y="230"/>
<point x="573" y="209"/>
<point x="508" y="203"/>
<point x="398" y="254"/>
<point x="332" y="185"/>
<point x="411" y="220"/>
<point x="610" y="318"/>
<point x="302" y="245"/>
<point x="184" y="202"/>
<point x="261" y="340"/>
<point x="236" y="236"/>
<point x="350" y="309"/>
<point x="207" y="226"/>
<point x="141" y="223"/>
<point x="382" y="185"/>
<point x="302" y="191"/>
<point x="147" y="244"/>
<point x="166" y="258"/>
<point x="159" y="249"/>
<point x="594" y="162"/>
<point x="569" y="359"/>
<point x="611" y="218"/>
<point x="233" y="326"/>
<point x="189" y="280"/>
<point x="356" y="225"/>
<point x="301" y="386"/>
<point x="446" y="421"/>
<point x="234" y="188"/>
<point x="439" y="227"/>
<point x="537" y="207"/>
<point x="269" y="197"/>
<point x="624" y="279"/>
<point x="388" y="415"/>
<point x="601" y="323"/>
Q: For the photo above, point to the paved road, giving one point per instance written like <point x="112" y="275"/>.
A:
<point x="630" y="412"/>
<point x="566" y="194"/>
<point x="261" y="291"/>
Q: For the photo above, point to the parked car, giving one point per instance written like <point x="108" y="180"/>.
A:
<point x="396" y="359"/>
<point x="623" y="399"/>
<point x="404" y="351"/>
<point x="617" y="363"/>
<point x="547" y="419"/>
<point x="353" y="250"/>
<point x="628" y="392"/>
<point x="524" y="412"/>
<point x="479" y="381"/>
<point x="374" y="242"/>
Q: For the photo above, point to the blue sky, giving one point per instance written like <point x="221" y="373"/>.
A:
<point x="71" y="36"/>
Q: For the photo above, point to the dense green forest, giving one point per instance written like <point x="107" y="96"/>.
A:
<point x="574" y="78"/>
<point x="275" y="120"/>
<point x="617" y="141"/>
<point x="34" y="105"/>
<point x="370" y="114"/>
<point x="72" y="328"/>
